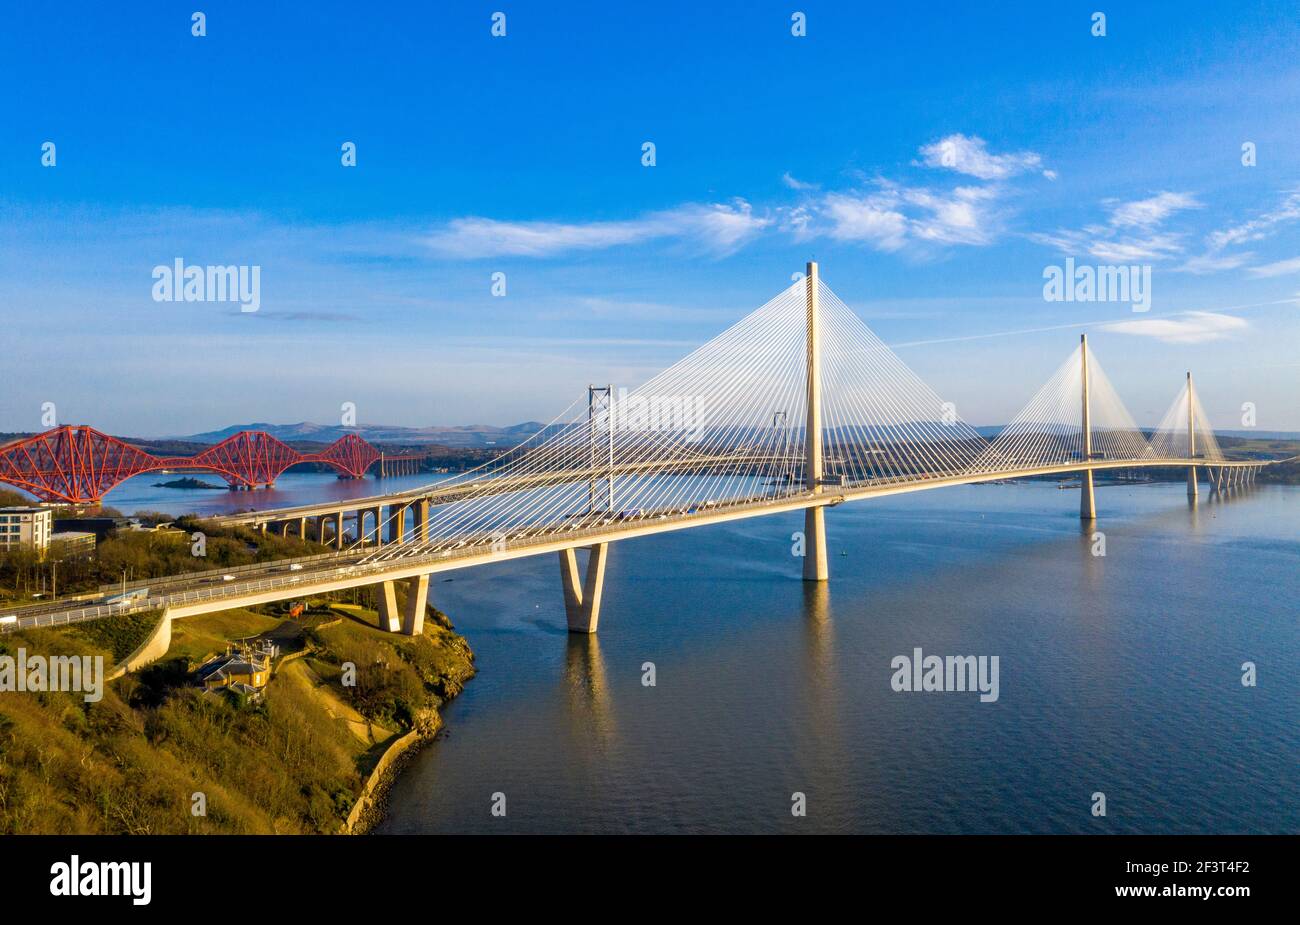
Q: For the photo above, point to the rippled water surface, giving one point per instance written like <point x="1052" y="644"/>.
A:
<point x="1119" y="674"/>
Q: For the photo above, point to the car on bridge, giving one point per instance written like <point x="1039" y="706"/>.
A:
<point x="128" y="598"/>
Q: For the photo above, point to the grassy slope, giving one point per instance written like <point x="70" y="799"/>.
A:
<point x="294" y="763"/>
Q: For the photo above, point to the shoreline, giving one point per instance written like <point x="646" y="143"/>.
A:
<point x="371" y="806"/>
<point x="169" y="732"/>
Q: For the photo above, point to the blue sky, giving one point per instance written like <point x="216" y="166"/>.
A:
<point x="934" y="160"/>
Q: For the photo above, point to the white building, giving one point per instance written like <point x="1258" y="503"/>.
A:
<point x="25" y="526"/>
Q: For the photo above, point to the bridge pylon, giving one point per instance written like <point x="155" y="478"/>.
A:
<point x="814" y="518"/>
<point x="1087" y="496"/>
<point x="1191" y="437"/>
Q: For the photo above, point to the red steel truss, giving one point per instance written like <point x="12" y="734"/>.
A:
<point x="78" y="464"/>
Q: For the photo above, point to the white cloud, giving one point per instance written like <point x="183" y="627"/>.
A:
<point x="1214" y="263"/>
<point x="1146" y="213"/>
<point x="718" y="228"/>
<point x="891" y="216"/>
<point x="1190" y="328"/>
<point x="959" y="217"/>
<point x="882" y="214"/>
<point x="969" y="154"/>
<point x="1098" y="242"/>
<point x="1280" y="268"/>
<point x="1257" y="228"/>
<point x="791" y="182"/>
<point x="1130" y="236"/>
<point x="872" y="219"/>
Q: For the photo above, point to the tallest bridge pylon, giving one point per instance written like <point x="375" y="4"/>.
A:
<point x="814" y="519"/>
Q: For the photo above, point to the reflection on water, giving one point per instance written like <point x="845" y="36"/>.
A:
<point x="1119" y="673"/>
<point x="589" y="708"/>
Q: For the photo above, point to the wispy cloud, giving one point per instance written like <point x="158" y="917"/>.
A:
<point x="1147" y="213"/>
<point x="720" y="228"/>
<point x="969" y="154"/>
<point x="1288" y="210"/>
<point x="871" y="218"/>
<point x="883" y="214"/>
<point x="1256" y="229"/>
<point x="1280" y="268"/>
<point x="890" y="215"/>
<point x="1188" y="328"/>
<point x="1215" y="263"/>
<point x="1130" y="234"/>
<point x="791" y="182"/>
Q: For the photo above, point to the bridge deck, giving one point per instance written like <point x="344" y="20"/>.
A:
<point x="204" y="592"/>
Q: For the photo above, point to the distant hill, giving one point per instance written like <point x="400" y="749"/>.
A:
<point x="465" y="435"/>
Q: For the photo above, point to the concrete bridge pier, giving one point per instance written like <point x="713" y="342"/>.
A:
<point x="417" y="600"/>
<point x="338" y="530"/>
<point x="814" y="553"/>
<point x="407" y="619"/>
<point x="1087" y="497"/>
<point x="420" y="513"/>
<point x="582" y="597"/>
<point x="390" y="620"/>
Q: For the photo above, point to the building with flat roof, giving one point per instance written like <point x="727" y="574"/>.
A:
<point x="72" y="544"/>
<point x="28" y="527"/>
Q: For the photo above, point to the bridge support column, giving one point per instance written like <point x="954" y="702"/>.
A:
<point x="389" y="617"/>
<point x="1087" y="497"/>
<point x="302" y="528"/>
<point x="338" y="530"/>
<point x="814" y="518"/>
<point x="1191" y="437"/>
<point x="1087" y="494"/>
<point x="399" y="524"/>
<point x="417" y="599"/>
<point x="582" y="598"/>
<point x="814" y="552"/>
<point x="420" y="511"/>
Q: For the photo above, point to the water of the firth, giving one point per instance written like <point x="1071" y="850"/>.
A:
<point x="1119" y="675"/>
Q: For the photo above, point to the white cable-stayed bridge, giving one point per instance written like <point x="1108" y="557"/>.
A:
<point x="797" y="406"/>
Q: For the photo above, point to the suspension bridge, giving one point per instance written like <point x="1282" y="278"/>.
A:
<point x="796" y="407"/>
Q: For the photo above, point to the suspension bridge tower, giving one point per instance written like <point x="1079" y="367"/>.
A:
<point x="1087" y="497"/>
<point x="814" y="518"/>
<point x="1191" y="436"/>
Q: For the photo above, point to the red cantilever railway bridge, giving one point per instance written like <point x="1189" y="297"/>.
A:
<point x="78" y="464"/>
